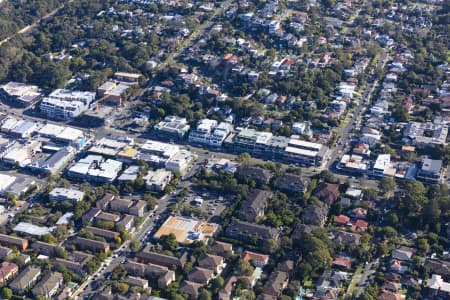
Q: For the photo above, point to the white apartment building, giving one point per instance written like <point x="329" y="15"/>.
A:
<point x="210" y="133"/>
<point x="66" y="104"/>
<point x="180" y="162"/>
<point x="307" y="153"/>
<point x="62" y="194"/>
<point x="383" y="166"/>
<point x="158" y="180"/>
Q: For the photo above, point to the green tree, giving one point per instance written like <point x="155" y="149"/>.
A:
<point x="199" y="248"/>
<point x="122" y="287"/>
<point x="151" y="201"/>
<point x="387" y="186"/>
<point x="244" y="268"/>
<point x="135" y="246"/>
<point x="139" y="183"/>
<point x="244" y="159"/>
<point x="7" y="293"/>
<point x="60" y="252"/>
<point x="217" y="283"/>
<point x="49" y="238"/>
<point x="205" y="295"/>
<point x="270" y="246"/>
<point x="168" y="242"/>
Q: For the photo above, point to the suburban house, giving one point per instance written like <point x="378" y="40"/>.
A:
<point x="226" y="292"/>
<point x="346" y="238"/>
<point x="221" y="248"/>
<point x="341" y="220"/>
<point x="49" y="285"/>
<point x="386" y="295"/>
<point x="439" y="267"/>
<point x="25" y="279"/>
<point x="403" y="254"/>
<point x="438" y="288"/>
<point x="327" y="192"/>
<point x="190" y="288"/>
<point x="7" y="270"/>
<point x="212" y="262"/>
<point x="256" y="259"/>
<point x="275" y="285"/>
<point x="200" y="275"/>
<point x="342" y="263"/>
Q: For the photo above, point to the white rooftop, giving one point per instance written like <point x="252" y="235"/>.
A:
<point x="304" y="144"/>
<point x="300" y="151"/>
<point x="69" y="94"/>
<point x="6" y="181"/>
<point x="70" y="134"/>
<point x="28" y="228"/>
<point x="437" y="283"/>
<point x="51" y="130"/>
<point x="383" y="162"/>
<point x="68" y="193"/>
<point x="162" y="149"/>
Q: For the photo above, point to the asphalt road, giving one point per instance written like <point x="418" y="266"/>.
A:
<point x="112" y="262"/>
<point x="368" y="271"/>
<point x="149" y="223"/>
<point x="343" y="141"/>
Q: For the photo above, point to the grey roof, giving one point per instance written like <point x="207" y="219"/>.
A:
<point x="58" y="159"/>
<point x="23" y="279"/>
<point x="275" y="283"/>
<point x="200" y="275"/>
<point x="403" y="253"/>
<point x="190" y="288"/>
<point x="220" y="247"/>
<point x="431" y="165"/>
<point x="24" y="127"/>
<point x="436" y="266"/>
<point x="245" y="230"/>
<point x="161" y="259"/>
<point x="346" y="238"/>
<point x="258" y="174"/>
<point x="210" y="261"/>
<point x="47" y="283"/>
<point x="314" y="214"/>
<point x="290" y="182"/>
<point x="255" y="204"/>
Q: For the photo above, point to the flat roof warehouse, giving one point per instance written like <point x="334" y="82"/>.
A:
<point x="187" y="230"/>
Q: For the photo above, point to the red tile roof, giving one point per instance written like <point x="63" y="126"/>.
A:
<point x="341" y="219"/>
<point x="247" y="255"/>
<point x="342" y="262"/>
